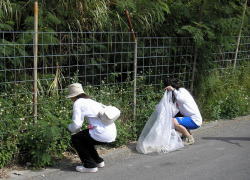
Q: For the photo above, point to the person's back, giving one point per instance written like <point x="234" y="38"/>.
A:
<point x="187" y="105"/>
<point x="97" y="133"/>
<point x="90" y="109"/>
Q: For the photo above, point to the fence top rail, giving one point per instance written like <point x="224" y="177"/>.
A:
<point x="164" y="37"/>
<point x="182" y="36"/>
<point x="105" y="32"/>
<point x="73" y="32"/>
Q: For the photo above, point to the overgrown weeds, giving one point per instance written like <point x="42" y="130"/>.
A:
<point x="225" y="94"/>
<point x="39" y="142"/>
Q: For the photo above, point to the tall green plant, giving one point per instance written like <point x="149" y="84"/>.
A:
<point x="6" y="13"/>
<point x="225" y="94"/>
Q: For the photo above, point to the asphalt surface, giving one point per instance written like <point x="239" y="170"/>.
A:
<point x="221" y="152"/>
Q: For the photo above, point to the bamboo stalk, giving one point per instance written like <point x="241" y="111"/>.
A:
<point x="239" y="36"/>
<point x="130" y="25"/>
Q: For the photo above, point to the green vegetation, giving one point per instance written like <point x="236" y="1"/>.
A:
<point x="225" y="94"/>
<point x="43" y="140"/>
<point x="213" y="25"/>
<point x="220" y="95"/>
<point x="203" y="19"/>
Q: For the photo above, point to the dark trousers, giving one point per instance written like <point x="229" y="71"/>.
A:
<point x="85" y="147"/>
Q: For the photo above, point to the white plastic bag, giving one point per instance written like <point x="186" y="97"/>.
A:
<point x="159" y="135"/>
<point x="109" y="114"/>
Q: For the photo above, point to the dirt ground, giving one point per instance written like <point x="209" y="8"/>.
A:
<point x="67" y="160"/>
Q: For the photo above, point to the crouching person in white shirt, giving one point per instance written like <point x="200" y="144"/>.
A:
<point x="188" y="116"/>
<point x="84" y="141"/>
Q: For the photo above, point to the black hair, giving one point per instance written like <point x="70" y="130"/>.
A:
<point x="83" y="96"/>
<point x="174" y="82"/>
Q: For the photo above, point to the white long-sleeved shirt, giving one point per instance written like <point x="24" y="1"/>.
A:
<point x="187" y="106"/>
<point x="89" y="108"/>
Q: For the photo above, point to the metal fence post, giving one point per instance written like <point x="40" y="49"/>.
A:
<point x="135" y="60"/>
<point x="194" y="68"/>
<point x="135" y="78"/>
<point x="35" y="51"/>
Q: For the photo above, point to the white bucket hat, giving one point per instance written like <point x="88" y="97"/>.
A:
<point x="75" y="89"/>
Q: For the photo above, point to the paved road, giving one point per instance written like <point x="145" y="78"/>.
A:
<point x="221" y="152"/>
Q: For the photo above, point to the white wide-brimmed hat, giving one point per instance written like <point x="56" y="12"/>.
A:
<point x="75" y="89"/>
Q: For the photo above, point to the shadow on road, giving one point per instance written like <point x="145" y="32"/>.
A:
<point x="229" y="139"/>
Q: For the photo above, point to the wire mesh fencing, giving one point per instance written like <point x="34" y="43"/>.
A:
<point x="94" y="59"/>
<point x="160" y="58"/>
<point x="98" y="60"/>
<point x="230" y="55"/>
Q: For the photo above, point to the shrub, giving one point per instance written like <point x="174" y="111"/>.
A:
<point x="40" y="142"/>
<point x="225" y="94"/>
<point x="25" y="140"/>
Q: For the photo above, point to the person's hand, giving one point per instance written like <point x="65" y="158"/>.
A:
<point x="169" y="88"/>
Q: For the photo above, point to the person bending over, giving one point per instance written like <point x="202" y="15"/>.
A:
<point x="98" y="133"/>
<point x="187" y="107"/>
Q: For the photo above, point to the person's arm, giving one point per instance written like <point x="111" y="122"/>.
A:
<point x="169" y="88"/>
<point x="77" y="119"/>
<point x="179" y="94"/>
